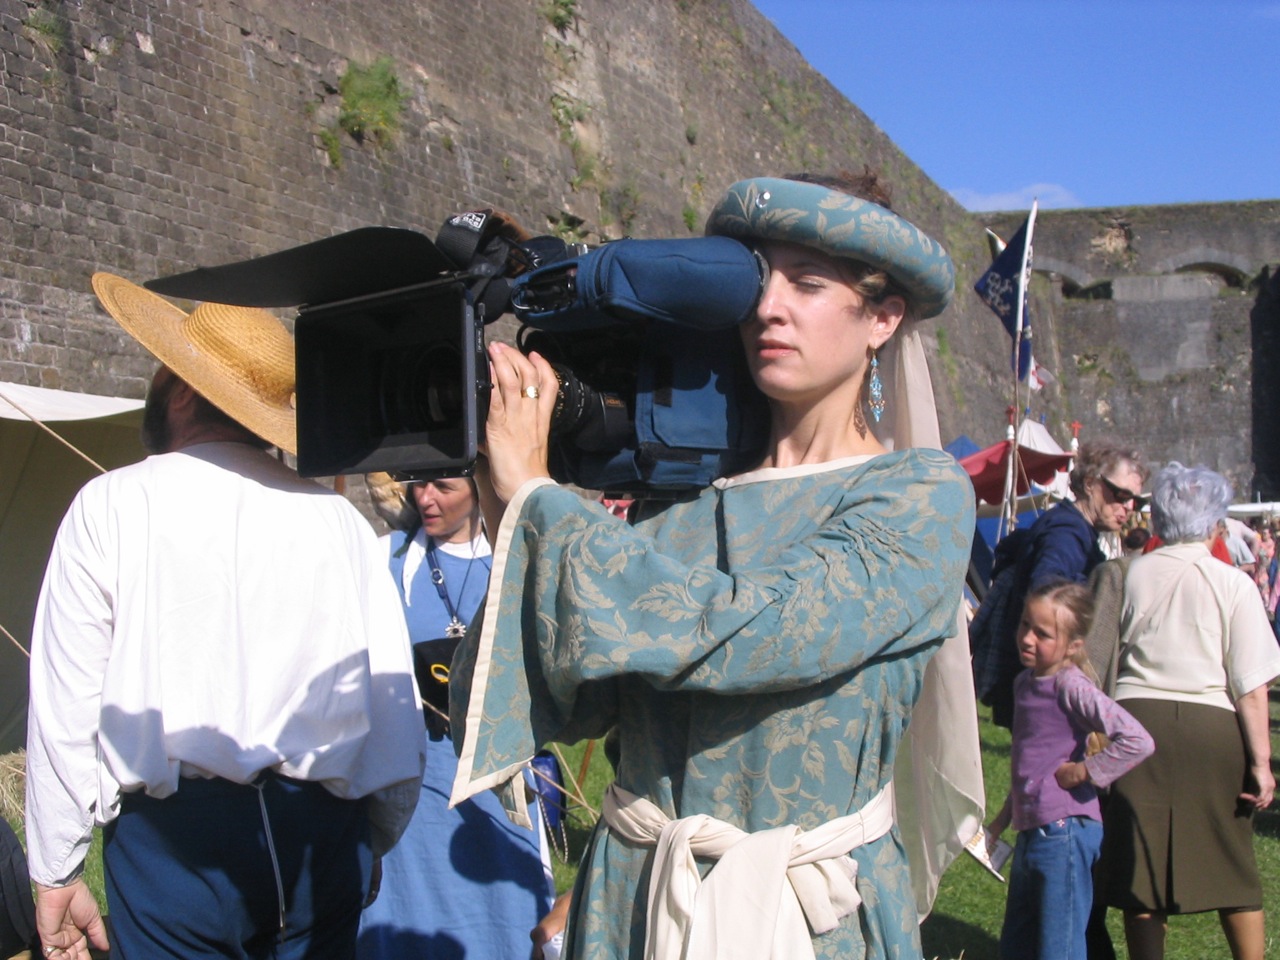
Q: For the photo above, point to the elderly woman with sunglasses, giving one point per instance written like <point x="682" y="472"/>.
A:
<point x="758" y="647"/>
<point x="1196" y="658"/>
<point x="1063" y="544"/>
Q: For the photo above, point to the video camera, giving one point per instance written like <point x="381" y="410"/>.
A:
<point x="654" y="394"/>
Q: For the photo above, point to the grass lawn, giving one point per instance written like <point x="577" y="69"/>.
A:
<point x="965" y="924"/>
<point x="966" y="919"/>
<point x="970" y="907"/>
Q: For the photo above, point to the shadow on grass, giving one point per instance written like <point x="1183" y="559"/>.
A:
<point x="947" y="938"/>
<point x="995" y="749"/>
<point x="1266" y="823"/>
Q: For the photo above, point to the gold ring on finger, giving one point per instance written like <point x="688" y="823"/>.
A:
<point x="531" y="392"/>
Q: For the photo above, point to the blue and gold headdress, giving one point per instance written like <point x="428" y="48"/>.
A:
<point x="769" y="208"/>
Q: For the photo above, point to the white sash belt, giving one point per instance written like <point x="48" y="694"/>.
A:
<point x="765" y="893"/>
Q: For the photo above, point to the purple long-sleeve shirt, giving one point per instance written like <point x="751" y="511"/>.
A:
<point x="1052" y="718"/>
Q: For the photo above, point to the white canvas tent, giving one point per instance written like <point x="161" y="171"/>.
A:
<point x="39" y="476"/>
<point x="1033" y="434"/>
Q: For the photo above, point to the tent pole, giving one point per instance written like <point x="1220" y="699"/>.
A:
<point x="14" y="640"/>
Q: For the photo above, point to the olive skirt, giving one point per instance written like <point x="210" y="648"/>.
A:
<point x="1177" y="838"/>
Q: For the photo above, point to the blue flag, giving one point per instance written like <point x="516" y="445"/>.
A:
<point x="1000" y="288"/>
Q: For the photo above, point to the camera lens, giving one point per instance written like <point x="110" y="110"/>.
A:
<point x="597" y="420"/>
<point x="424" y="393"/>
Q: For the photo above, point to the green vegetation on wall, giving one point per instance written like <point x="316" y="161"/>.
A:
<point x="560" y="13"/>
<point x="794" y="107"/>
<point x="47" y="30"/>
<point x="950" y="369"/>
<point x="331" y="143"/>
<point x="372" y="102"/>
<point x="622" y="203"/>
<point x="50" y="34"/>
<point x="568" y="112"/>
<point x="569" y="228"/>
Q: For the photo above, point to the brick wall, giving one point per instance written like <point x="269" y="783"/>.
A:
<point x="146" y="137"/>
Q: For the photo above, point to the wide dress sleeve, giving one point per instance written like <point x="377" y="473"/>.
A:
<point x="836" y="570"/>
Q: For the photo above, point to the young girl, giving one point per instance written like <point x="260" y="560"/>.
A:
<point x="1053" y="801"/>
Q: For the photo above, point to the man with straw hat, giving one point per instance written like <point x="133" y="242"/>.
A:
<point x="220" y="673"/>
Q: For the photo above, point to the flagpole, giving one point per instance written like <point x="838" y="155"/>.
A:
<point x="1010" y="487"/>
<point x="1008" y="510"/>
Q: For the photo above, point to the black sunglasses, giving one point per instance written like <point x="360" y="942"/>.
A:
<point x="1122" y="495"/>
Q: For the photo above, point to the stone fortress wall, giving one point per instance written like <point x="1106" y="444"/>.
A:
<point x="148" y="137"/>
<point x="1161" y="323"/>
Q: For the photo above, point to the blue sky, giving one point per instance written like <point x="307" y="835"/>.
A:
<point x="1078" y="102"/>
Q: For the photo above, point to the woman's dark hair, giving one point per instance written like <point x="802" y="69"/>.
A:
<point x="1137" y="538"/>
<point x="866" y="185"/>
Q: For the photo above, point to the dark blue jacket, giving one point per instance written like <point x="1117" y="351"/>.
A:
<point x="1062" y="544"/>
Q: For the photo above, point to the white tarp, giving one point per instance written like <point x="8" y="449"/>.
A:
<point x="59" y="405"/>
<point x="38" y="478"/>
<point x="1270" y="508"/>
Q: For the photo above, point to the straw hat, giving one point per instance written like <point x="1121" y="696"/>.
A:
<point x="240" y="359"/>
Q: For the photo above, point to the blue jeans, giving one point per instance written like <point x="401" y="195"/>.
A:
<point x="1051" y="891"/>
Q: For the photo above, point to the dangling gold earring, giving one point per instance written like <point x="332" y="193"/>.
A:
<point x="859" y="421"/>
<point x="864" y="393"/>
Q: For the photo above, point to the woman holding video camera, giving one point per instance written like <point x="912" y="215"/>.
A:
<point x="758" y="647"/>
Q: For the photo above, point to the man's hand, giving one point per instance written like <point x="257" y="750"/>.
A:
<point x="64" y="916"/>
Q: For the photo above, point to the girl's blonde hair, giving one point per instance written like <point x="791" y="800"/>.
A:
<point x="1073" y="613"/>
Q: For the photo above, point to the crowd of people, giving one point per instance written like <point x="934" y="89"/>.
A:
<point x="1174" y="636"/>
<point x="303" y="741"/>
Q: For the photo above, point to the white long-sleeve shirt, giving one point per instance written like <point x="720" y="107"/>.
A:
<point x="210" y="613"/>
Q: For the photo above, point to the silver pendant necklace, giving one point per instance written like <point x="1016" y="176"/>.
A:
<point x="456" y="627"/>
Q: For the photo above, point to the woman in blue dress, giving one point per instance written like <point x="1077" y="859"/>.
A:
<point x="466" y="883"/>
<point x="759" y="646"/>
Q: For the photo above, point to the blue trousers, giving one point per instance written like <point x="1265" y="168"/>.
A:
<point x="1051" y="891"/>
<point x="198" y="875"/>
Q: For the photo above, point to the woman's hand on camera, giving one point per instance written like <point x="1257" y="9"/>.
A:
<point x="524" y="395"/>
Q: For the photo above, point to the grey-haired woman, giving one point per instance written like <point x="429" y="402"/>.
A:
<point x="1196" y="657"/>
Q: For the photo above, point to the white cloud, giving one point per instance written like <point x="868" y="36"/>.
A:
<point x="1051" y="195"/>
